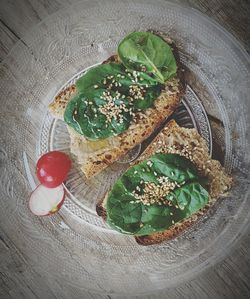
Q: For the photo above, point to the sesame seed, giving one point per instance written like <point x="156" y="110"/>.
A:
<point x="173" y="222"/>
<point x="149" y="163"/>
<point x="95" y="86"/>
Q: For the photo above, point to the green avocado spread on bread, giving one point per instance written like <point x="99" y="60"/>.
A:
<point x="155" y="194"/>
<point x="109" y="95"/>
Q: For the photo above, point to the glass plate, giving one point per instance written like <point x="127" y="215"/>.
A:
<point x="75" y="245"/>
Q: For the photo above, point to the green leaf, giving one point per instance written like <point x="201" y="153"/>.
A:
<point x="144" y="50"/>
<point x="96" y="76"/>
<point x="84" y="116"/>
<point x="190" y="197"/>
<point x="83" y="111"/>
<point x="128" y="216"/>
<point x="175" y="167"/>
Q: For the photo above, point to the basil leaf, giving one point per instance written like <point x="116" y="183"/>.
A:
<point x="127" y="215"/>
<point x="144" y="50"/>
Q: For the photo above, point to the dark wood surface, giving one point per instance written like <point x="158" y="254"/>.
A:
<point x="228" y="279"/>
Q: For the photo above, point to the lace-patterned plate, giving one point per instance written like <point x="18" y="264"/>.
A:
<point x="74" y="246"/>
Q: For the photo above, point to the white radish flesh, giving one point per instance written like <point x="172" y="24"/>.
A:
<point x="45" y="201"/>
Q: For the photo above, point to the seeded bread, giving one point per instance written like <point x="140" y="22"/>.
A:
<point x="94" y="156"/>
<point x="188" y="143"/>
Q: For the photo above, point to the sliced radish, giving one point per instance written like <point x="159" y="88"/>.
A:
<point x="45" y="201"/>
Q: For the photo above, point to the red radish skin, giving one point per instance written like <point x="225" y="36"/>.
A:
<point x="52" y="168"/>
<point x="57" y="208"/>
<point x="46" y="196"/>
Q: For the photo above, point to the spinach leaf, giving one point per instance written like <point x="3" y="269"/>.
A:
<point x="109" y="89"/>
<point x="146" y="51"/>
<point x="127" y="214"/>
<point x="190" y="197"/>
<point x="97" y="75"/>
<point x="105" y="75"/>
<point x="85" y="117"/>
<point x="175" y="167"/>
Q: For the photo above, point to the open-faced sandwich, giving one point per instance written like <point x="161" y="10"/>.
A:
<point x="119" y="103"/>
<point x="166" y="190"/>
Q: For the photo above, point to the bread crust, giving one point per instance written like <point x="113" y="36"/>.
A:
<point x="92" y="155"/>
<point x="173" y="139"/>
<point x="57" y="107"/>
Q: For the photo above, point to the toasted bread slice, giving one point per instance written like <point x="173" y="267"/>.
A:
<point x="94" y="156"/>
<point x="188" y="143"/>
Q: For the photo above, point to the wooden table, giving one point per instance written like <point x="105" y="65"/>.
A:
<point x="228" y="279"/>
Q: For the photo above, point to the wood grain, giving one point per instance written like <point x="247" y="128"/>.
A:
<point x="17" y="17"/>
<point x="228" y="279"/>
<point x="7" y="40"/>
<point x="233" y="15"/>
